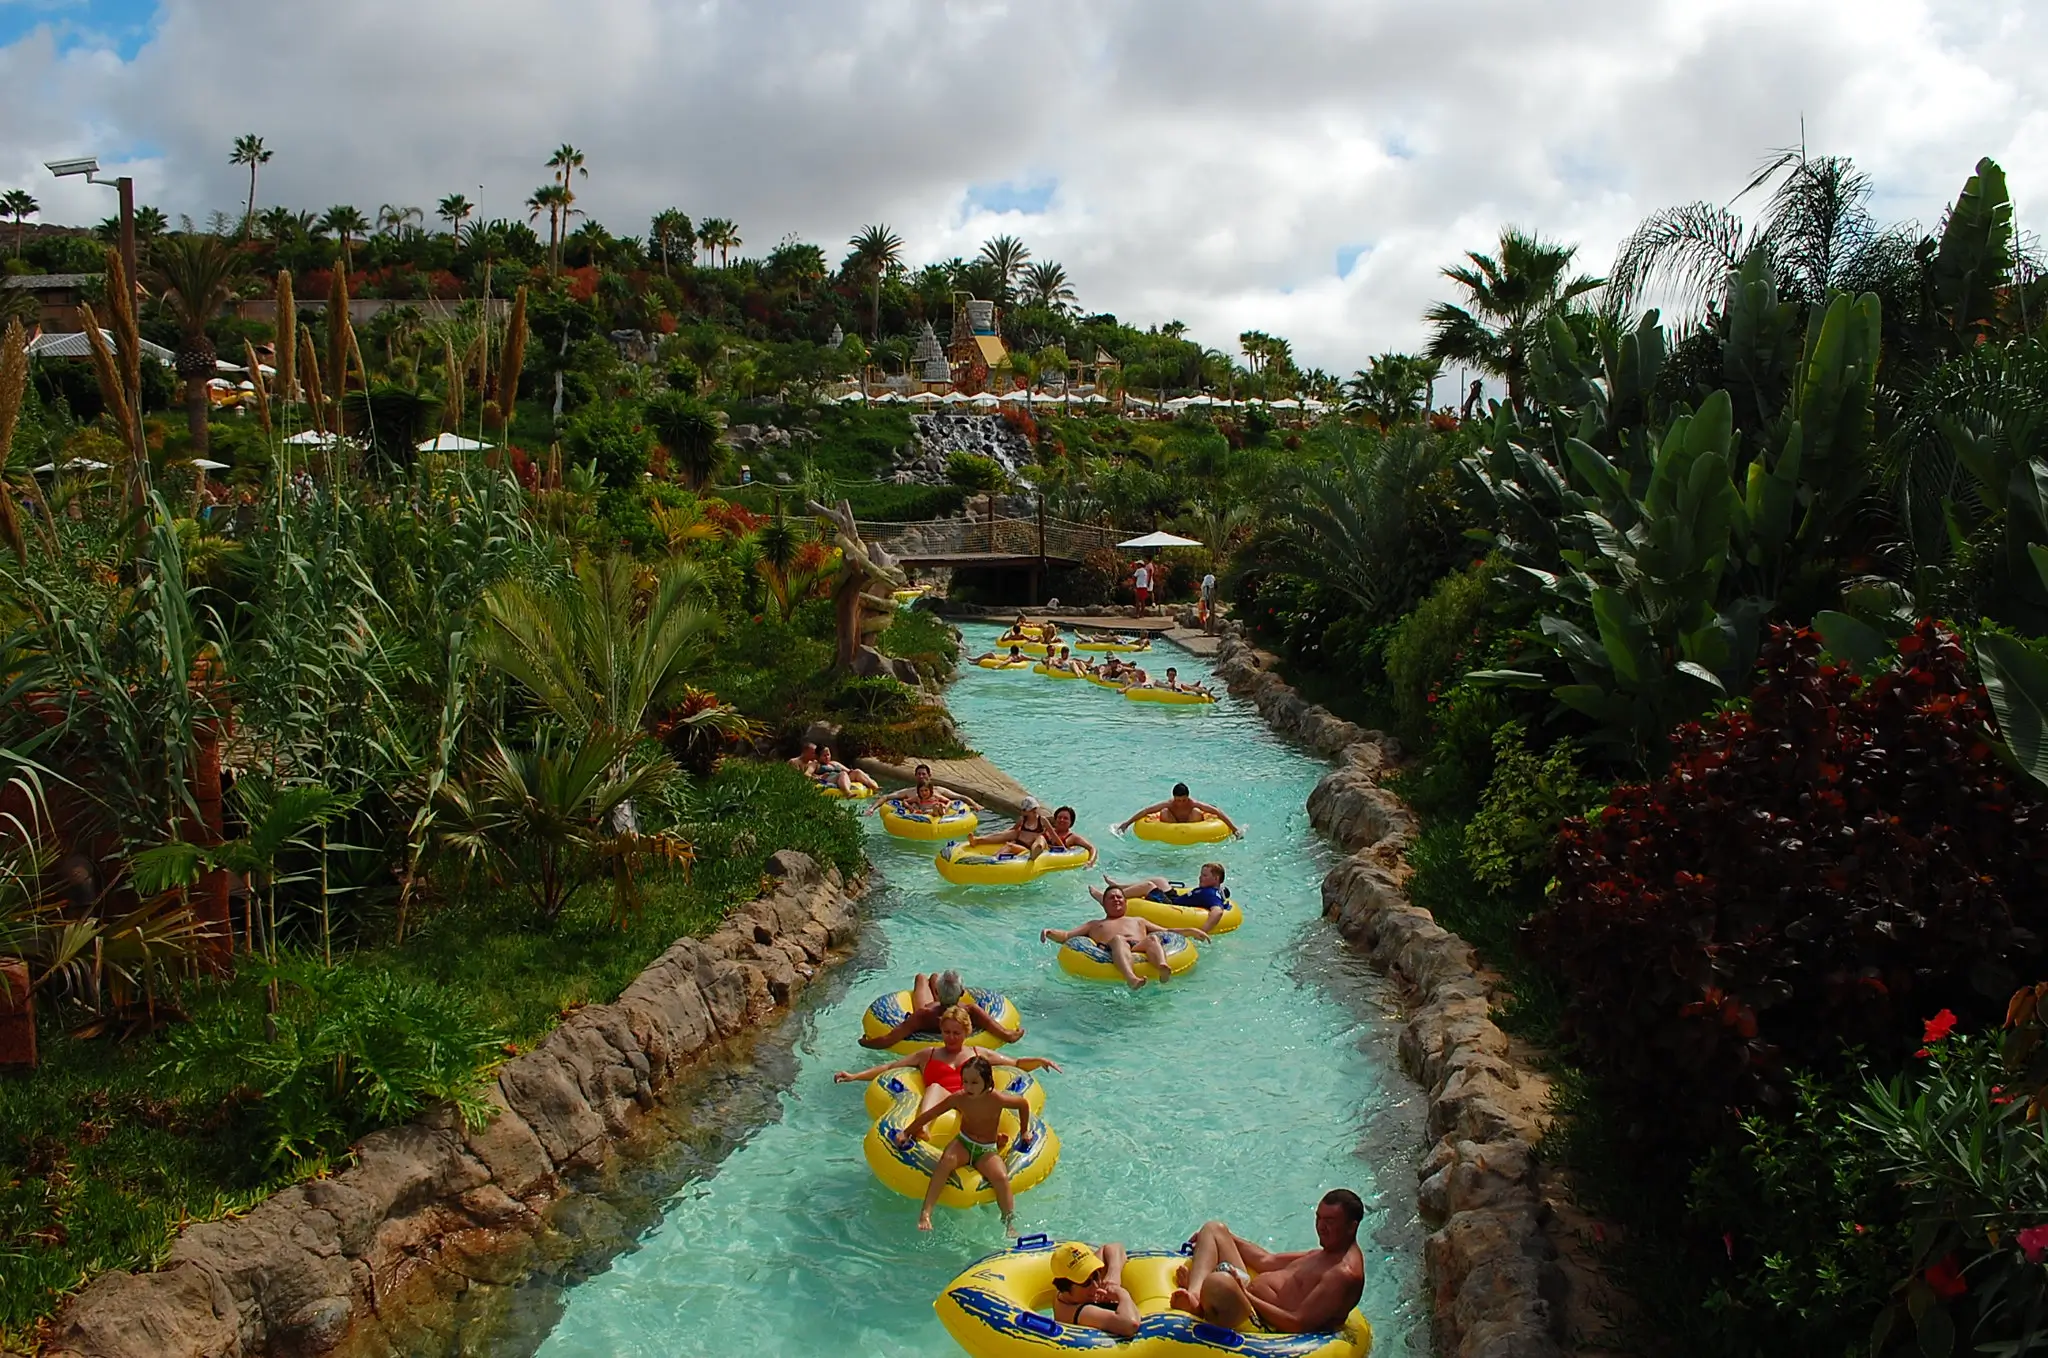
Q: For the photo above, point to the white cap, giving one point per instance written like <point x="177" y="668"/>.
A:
<point x="1029" y="803"/>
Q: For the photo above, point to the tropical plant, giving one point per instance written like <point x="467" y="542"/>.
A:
<point x="1510" y="296"/>
<point x="560" y="812"/>
<point x="1005" y="257"/>
<point x="1816" y="235"/>
<point x="670" y="233"/>
<point x="346" y="223"/>
<point x="455" y="209"/>
<point x="717" y="233"/>
<point x="197" y="275"/>
<point x="1046" y="285"/>
<point x="249" y="150"/>
<point x="21" y="205"/>
<point x="1371" y="523"/>
<point x="1395" y="387"/>
<point x="1800" y="883"/>
<point x="394" y="219"/>
<point x="689" y="430"/>
<point x="877" y="253"/>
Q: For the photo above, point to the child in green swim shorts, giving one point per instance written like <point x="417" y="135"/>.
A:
<point x="981" y="1138"/>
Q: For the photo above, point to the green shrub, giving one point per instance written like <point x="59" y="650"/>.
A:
<point x="353" y="1049"/>
<point x="1526" y="799"/>
<point x="613" y="437"/>
<point x="925" y="640"/>
<point x="1429" y="647"/>
<point x="975" y="473"/>
<point x="878" y="698"/>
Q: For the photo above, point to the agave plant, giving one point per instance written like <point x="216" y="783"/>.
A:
<point x="550" y="814"/>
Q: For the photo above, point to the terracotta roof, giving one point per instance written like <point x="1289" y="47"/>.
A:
<point x="992" y="350"/>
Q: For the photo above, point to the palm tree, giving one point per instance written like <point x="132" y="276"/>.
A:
<point x="196" y="276"/>
<point x="280" y="223"/>
<point x="877" y="252"/>
<point x="1509" y="297"/>
<point x="671" y="231"/>
<point x="20" y="205"/>
<point x="686" y="427"/>
<point x="344" y="221"/>
<point x="1046" y="285"/>
<point x="1007" y="256"/>
<point x="250" y="150"/>
<point x="567" y="161"/>
<point x="716" y="233"/>
<point x="1395" y="387"/>
<point x="455" y="210"/>
<point x="558" y="203"/>
<point x="393" y="219"/>
<point x="1816" y="231"/>
<point x="1364" y="523"/>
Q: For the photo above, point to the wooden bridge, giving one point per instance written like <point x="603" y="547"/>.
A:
<point x="1032" y="545"/>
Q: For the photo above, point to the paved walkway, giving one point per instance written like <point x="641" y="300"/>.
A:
<point x="976" y="777"/>
<point x="1194" y="642"/>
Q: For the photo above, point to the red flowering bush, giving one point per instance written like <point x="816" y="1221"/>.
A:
<point x="1821" y="871"/>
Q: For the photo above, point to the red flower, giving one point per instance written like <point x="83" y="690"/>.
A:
<point x="2034" y="1243"/>
<point x="1920" y="1055"/>
<point x="1939" y="1027"/>
<point x="1946" y="1279"/>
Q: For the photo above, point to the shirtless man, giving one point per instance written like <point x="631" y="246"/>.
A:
<point x="1122" y="934"/>
<point x="806" y="760"/>
<point x="1088" y="1289"/>
<point x="1181" y="809"/>
<point x="925" y="797"/>
<point x="1174" y="684"/>
<point x="1232" y="1282"/>
<point x="1207" y="893"/>
<point x="1014" y="655"/>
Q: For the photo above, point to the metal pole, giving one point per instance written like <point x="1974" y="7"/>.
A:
<point x="1041" y="546"/>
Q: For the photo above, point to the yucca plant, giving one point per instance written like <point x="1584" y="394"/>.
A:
<point x="196" y="274"/>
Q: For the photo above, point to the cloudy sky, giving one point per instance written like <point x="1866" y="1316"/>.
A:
<point x="1299" y="166"/>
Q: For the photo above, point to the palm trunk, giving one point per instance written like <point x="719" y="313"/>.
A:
<point x="196" y="411"/>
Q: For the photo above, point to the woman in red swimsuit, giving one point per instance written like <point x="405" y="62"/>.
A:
<point x="940" y="1065"/>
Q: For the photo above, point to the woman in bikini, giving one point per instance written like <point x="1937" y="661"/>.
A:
<point x="1028" y="830"/>
<point x="940" y="1065"/>
<point x="1062" y="835"/>
<point x="930" y="997"/>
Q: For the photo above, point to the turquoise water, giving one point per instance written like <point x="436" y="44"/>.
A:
<point x="1242" y="1091"/>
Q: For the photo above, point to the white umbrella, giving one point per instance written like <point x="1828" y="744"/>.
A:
<point x="954" y="398"/>
<point x="854" y="396"/>
<point x="221" y="384"/>
<point x="1094" y="398"/>
<point x="1204" y="400"/>
<point x="79" y="463"/>
<point x="312" y="438"/>
<point x="1287" y="403"/>
<point x="1161" y="539"/>
<point x="452" y="443"/>
<point x="889" y="398"/>
<point x="207" y="464"/>
<point x="248" y="386"/>
<point x="1024" y="396"/>
<point x="222" y="365"/>
<point x="927" y="398"/>
<point x="987" y="399"/>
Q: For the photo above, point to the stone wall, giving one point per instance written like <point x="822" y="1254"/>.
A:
<point x="1495" y="1280"/>
<point x="427" y="1206"/>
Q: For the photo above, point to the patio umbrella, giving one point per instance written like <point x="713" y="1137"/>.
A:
<point x="854" y="396"/>
<point x="927" y="398"/>
<point x="207" y="464"/>
<point x="312" y="438"/>
<point x="1159" y="539"/>
<point x="80" y="463"/>
<point x="451" y="443"/>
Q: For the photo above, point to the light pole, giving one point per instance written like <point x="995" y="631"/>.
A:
<point x="89" y="166"/>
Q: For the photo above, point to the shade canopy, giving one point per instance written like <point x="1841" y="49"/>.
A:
<point x="854" y="396"/>
<point x="452" y="443"/>
<point x="84" y="464"/>
<point x="207" y="464"/>
<point x="1160" y="539"/>
<point x="312" y="438"/>
<point x="76" y="345"/>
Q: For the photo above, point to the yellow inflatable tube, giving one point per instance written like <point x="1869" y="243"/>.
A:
<point x="1001" y="1308"/>
<point x="1042" y="668"/>
<point x="1089" y="960"/>
<point x="889" y="1010"/>
<point x="904" y="823"/>
<point x="861" y="792"/>
<point x="1003" y="662"/>
<point x="982" y="865"/>
<point x="1167" y="915"/>
<point x="893" y="1100"/>
<point x="1207" y="830"/>
<point x="1100" y="682"/>
<point x="1168" y="695"/>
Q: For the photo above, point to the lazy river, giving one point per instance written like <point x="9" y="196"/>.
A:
<point x="1242" y="1091"/>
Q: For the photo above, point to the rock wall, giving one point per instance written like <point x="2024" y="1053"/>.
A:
<point x="429" y="1205"/>
<point x="937" y="437"/>
<point x="1497" y="1288"/>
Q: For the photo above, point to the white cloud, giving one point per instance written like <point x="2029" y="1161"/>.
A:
<point x="1208" y="159"/>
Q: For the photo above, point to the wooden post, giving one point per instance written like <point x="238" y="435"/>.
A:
<point x="1038" y="576"/>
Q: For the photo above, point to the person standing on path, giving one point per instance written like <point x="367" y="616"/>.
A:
<point x="1209" y="602"/>
<point x="1141" y="585"/>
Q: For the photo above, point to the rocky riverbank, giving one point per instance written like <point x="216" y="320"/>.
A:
<point x="428" y="1207"/>
<point x="1498" y="1289"/>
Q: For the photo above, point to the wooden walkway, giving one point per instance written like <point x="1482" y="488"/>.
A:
<point x="976" y="777"/>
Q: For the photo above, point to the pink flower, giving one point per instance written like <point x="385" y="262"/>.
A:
<point x="2034" y="1243"/>
<point x="1939" y="1027"/>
